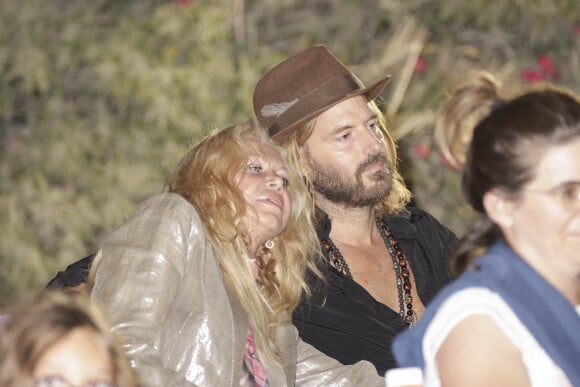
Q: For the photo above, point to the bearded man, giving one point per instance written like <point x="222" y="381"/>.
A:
<point x="385" y="260"/>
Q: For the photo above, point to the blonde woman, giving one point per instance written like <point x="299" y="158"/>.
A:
<point x="202" y="280"/>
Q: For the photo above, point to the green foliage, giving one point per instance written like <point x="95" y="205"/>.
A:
<point x="97" y="106"/>
<point x="100" y="98"/>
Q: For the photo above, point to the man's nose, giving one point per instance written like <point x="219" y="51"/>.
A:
<point x="374" y="140"/>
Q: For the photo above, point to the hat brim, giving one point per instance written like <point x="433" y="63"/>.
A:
<point x="279" y="133"/>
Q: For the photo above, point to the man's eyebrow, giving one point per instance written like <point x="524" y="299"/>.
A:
<point x="340" y="128"/>
<point x="568" y="183"/>
<point x="372" y="116"/>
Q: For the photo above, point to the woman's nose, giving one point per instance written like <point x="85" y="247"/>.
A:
<point x="275" y="181"/>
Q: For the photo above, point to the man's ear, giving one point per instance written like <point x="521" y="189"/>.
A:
<point x="499" y="206"/>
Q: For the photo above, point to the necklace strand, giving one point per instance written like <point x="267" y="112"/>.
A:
<point x="400" y="264"/>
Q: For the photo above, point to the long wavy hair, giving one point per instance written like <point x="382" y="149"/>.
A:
<point x="206" y="177"/>
<point x="505" y="145"/>
<point x="32" y="328"/>
<point x="397" y="198"/>
<point x="468" y="103"/>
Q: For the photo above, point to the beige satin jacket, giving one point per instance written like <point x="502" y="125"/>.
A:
<point x="160" y="286"/>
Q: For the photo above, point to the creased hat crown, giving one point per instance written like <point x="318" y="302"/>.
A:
<point x="302" y="87"/>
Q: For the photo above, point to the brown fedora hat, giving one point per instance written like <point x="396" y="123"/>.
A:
<point x="302" y="87"/>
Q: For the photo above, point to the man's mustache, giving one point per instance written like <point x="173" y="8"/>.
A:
<point x="371" y="160"/>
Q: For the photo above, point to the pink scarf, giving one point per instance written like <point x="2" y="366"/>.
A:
<point x="252" y="362"/>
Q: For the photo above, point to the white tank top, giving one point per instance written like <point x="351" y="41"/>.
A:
<point x="542" y="371"/>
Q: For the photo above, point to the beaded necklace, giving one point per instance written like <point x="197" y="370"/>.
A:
<point x="400" y="265"/>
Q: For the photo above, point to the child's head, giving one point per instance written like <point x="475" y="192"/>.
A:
<point x="60" y="337"/>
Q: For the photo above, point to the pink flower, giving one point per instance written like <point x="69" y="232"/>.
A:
<point x="422" y="151"/>
<point x="421" y="65"/>
<point x="185" y="3"/>
<point x="547" y="67"/>
<point x="531" y="75"/>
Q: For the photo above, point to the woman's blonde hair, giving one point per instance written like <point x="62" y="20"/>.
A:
<point x="399" y="195"/>
<point x="206" y="177"/>
<point x="33" y="328"/>
<point x="471" y="99"/>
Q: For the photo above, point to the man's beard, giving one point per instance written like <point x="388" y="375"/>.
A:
<point x="339" y="188"/>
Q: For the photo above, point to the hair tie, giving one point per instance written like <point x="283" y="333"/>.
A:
<point x="497" y="103"/>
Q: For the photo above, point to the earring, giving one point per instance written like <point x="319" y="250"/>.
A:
<point x="269" y="244"/>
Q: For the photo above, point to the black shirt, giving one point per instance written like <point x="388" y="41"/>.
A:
<point x="344" y="321"/>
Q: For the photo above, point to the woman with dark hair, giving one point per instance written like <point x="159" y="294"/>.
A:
<point x="60" y="340"/>
<point x="511" y="318"/>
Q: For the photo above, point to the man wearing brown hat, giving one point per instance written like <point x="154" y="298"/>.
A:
<point x="385" y="260"/>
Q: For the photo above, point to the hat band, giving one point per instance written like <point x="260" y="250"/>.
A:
<point x="320" y="98"/>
